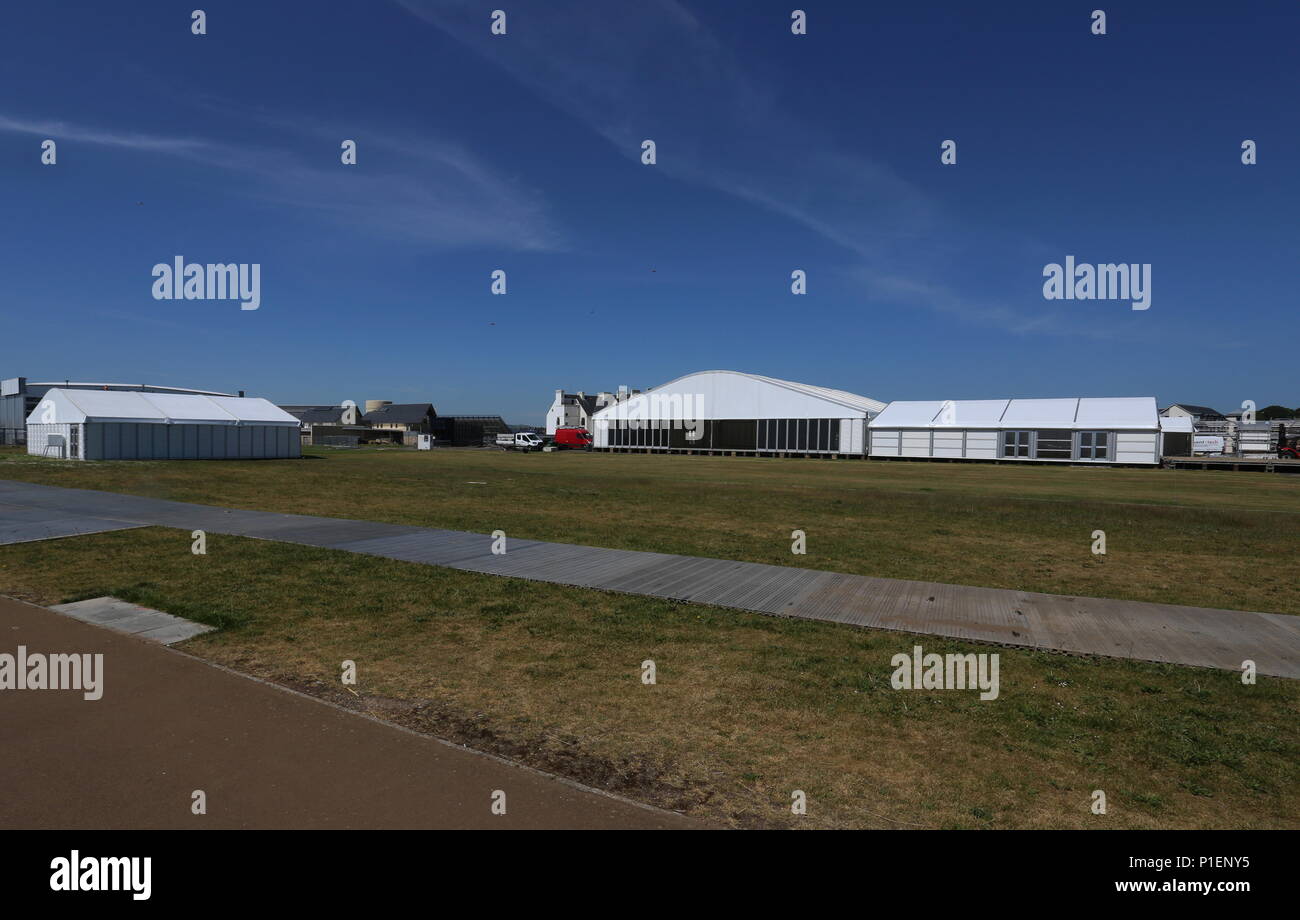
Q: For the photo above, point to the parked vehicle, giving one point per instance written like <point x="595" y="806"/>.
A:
<point x="1287" y="448"/>
<point x="574" y="438"/>
<point x="520" y="440"/>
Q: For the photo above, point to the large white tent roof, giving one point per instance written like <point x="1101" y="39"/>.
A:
<point x="1129" y="412"/>
<point x="909" y="413"/>
<point x="61" y="406"/>
<point x="852" y="400"/>
<point x="1076" y="412"/>
<point x="736" y="394"/>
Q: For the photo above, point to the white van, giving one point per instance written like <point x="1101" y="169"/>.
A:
<point x="522" y="440"/>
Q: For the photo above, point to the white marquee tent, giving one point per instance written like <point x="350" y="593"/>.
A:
<point x="115" y="425"/>
<point x="731" y="411"/>
<point x="1074" y="430"/>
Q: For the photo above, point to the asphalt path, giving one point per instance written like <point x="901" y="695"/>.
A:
<point x="168" y="724"/>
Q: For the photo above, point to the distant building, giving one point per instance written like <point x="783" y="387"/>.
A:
<point x="315" y="420"/>
<point x="417" y="417"/>
<point x="467" y="430"/>
<point x="18" y="398"/>
<point x="346" y="414"/>
<point x="1195" y="413"/>
<point x="575" y="410"/>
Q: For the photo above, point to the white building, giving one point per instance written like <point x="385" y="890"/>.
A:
<point x="735" y="412"/>
<point x="1075" y="430"/>
<point x="112" y="425"/>
<point x="574" y="410"/>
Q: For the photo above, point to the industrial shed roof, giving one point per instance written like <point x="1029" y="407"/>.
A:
<point x="317" y="414"/>
<point x="1074" y="412"/>
<point x="130" y="387"/>
<point x="61" y="406"/>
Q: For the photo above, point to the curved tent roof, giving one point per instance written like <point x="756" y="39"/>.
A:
<point x="851" y="400"/>
<point x="738" y="395"/>
<point x="60" y="406"/>
<point x="1076" y="412"/>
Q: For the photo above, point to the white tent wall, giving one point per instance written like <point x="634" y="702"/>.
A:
<point x="923" y="443"/>
<point x="38" y="440"/>
<point x="1136" y="447"/>
<point x="981" y="445"/>
<point x="853" y="433"/>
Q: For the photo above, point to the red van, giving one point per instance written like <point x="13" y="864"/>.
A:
<point x="576" y="438"/>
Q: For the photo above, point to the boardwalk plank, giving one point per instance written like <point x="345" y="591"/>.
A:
<point x="1082" y="625"/>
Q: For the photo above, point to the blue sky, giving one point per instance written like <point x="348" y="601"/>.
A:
<point x="775" y="152"/>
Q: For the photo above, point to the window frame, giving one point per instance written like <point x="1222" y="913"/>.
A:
<point x="1027" y="447"/>
<point x="1106" y="447"/>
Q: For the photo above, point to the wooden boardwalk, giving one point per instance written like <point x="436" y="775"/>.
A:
<point x="1196" y="636"/>
<point x="20" y="524"/>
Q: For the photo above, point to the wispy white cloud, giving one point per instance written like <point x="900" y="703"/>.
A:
<point x="429" y="191"/>
<point x="62" y="130"/>
<point x="432" y="190"/>
<point x="652" y="70"/>
<point x="942" y="299"/>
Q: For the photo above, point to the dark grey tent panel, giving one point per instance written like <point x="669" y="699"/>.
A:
<point x="144" y="441"/>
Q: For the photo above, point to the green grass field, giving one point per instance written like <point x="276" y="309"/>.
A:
<point x="747" y="708"/>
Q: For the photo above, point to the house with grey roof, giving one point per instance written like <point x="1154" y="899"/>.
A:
<point x="1195" y="413"/>
<point x="402" y="417"/>
<point x="575" y="410"/>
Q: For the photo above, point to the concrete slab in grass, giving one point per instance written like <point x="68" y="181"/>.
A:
<point x="124" y="617"/>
